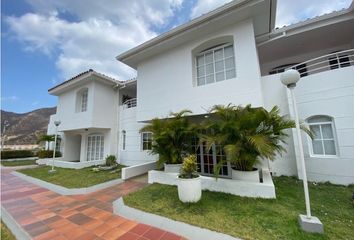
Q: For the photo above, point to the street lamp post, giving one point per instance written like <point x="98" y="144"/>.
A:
<point x="307" y="222"/>
<point x="56" y="123"/>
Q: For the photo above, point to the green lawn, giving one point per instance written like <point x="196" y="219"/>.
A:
<point x="250" y="218"/>
<point x="5" y="233"/>
<point x="18" y="163"/>
<point x="72" y="178"/>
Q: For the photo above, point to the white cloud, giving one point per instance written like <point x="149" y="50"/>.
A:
<point x="204" y="6"/>
<point x="96" y="34"/>
<point x="9" y="98"/>
<point x="290" y="11"/>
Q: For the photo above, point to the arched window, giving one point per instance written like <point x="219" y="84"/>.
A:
<point x="95" y="147"/>
<point x="323" y="143"/>
<point x="124" y="135"/>
<point x="81" y="100"/>
<point x="215" y="61"/>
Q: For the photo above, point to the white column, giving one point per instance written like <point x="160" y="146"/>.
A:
<point x="83" y="151"/>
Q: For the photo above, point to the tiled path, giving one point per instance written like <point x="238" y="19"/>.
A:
<point x="44" y="214"/>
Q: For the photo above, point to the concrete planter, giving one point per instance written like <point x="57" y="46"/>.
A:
<point x="247" y="176"/>
<point x="172" y="168"/>
<point x="189" y="190"/>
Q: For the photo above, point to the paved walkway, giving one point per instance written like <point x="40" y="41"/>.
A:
<point x="44" y="214"/>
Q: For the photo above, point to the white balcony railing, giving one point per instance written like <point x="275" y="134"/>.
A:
<point x="130" y="103"/>
<point x="324" y="63"/>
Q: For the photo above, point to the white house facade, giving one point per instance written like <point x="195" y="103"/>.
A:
<point x="230" y="55"/>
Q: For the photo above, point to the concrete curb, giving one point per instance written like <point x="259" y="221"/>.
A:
<point x="67" y="191"/>
<point x="180" y="228"/>
<point x="13" y="226"/>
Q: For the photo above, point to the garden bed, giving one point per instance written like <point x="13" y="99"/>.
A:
<point x="250" y="218"/>
<point x="72" y="178"/>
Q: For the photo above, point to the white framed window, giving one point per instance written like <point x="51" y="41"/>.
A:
<point x="95" y="147"/>
<point x="215" y="64"/>
<point x="84" y="95"/>
<point x="124" y="136"/>
<point x="324" y="141"/>
<point x="146" y="141"/>
<point x="58" y="144"/>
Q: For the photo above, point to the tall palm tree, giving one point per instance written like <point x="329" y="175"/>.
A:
<point x="171" y="137"/>
<point x="247" y="134"/>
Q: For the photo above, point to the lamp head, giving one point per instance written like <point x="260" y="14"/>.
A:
<point x="290" y="77"/>
<point x="57" y="123"/>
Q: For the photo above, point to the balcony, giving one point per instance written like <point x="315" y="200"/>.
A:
<point x="130" y="103"/>
<point x="327" y="62"/>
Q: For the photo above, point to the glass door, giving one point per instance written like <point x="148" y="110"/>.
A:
<point x="95" y="147"/>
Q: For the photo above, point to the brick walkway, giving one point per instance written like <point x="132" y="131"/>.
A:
<point x="44" y="214"/>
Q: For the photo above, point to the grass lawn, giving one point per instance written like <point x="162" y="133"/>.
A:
<point x="250" y="218"/>
<point x="72" y="178"/>
<point x="5" y="233"/>
<point x="18" y="163"/>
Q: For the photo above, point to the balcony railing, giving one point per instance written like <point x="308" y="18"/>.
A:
<point x="324" y="63"/>
<point x="130" y="103"/>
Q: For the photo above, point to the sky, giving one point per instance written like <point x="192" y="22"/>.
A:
<point x="45" y="42"/>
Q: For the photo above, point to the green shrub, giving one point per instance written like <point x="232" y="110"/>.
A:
<point x="48" y="154"/>
<point x="189" y="167"/>
<point x="111" y="160"/>
<point x="16" y="154"/>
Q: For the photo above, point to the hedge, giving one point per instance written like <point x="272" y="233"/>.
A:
<point x="48" y="154"/>
<point x="8" y="154"/>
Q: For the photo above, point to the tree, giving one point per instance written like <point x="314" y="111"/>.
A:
<point x="47" y="138"/>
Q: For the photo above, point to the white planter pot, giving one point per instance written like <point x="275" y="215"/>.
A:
<point x="189" y="190"/>
<point x="172" y="168"/>
<point x="247" y="176"/>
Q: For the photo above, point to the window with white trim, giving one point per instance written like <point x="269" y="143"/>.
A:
<point x="84" y="95"/>
<point x="215" y="64"/>
<point x="124" y="136"/>
<point x="323" y="143"/>
<point x="146" y="140"/>
<point x="95" y="147"/>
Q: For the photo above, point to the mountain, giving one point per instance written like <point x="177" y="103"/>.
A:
<point x="24" y="128"/>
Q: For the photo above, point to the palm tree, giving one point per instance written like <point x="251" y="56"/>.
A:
<point x="171" y="137"/>
<point x="247" y="134"/>
<point x="46" y="138"/>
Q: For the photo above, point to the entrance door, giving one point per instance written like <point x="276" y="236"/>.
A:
<point x="95" y="147"/>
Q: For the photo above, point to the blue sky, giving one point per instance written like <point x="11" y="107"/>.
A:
<point x="45" y="42"/>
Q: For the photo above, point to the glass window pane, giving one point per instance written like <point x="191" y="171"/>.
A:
<point x="230" y="74"/>
<point x="329" y="146"/>
<point x="201" y="81"/>
<point x="220" y="76"/>
<point x="327" y="131"/>
<point x="218" y="54"/>
<point x="209" y="69"/>
<point x="200" y="71"/>
<point x="317" y="147"/>
<point x="210" y="79"/>
<point x="229" y="51"/>
<point x="200" y="60"/>
<point x="229" y="63"/>
<point x="209" y="58"/>
<point x="219" y="66"/>
<point x="316" y="131"/>
<point x="318" y="119"/>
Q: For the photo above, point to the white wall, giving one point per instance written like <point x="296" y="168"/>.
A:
<point x="165" y="81"/>
<point x="133" y="153"/>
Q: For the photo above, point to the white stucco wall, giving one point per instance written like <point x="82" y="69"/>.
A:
<point x="133" y="153"/>
<point x="165" y="81"/>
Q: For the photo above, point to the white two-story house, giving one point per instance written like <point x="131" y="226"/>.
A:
<point x="234" y="55"/>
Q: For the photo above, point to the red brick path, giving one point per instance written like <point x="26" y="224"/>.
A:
<point x="44" y="214"/>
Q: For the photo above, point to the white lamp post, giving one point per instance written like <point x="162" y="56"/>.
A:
<point x="56" y="123"/>
<point x="307" y="222"/>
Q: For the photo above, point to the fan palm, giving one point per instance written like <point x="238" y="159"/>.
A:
<point x="247" y="134"/>
<point x="170" y="137"/>
<point x="47" y="138"/>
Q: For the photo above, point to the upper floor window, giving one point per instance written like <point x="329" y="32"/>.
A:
<point x="339" y="61"/>
<point x="215" y="64"/>
<point x="124" y="136"/>
<point x="323" y="143"/>
<point x="146" y="140"/>
<point x="81" y="100"/>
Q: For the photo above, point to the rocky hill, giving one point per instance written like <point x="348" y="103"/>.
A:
<point x="25" y="127"/>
